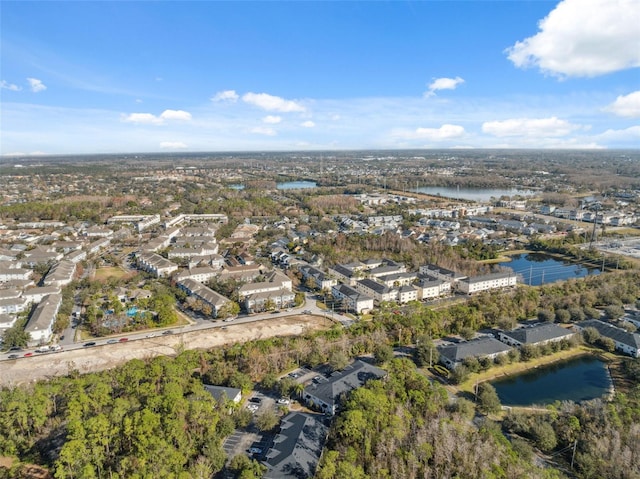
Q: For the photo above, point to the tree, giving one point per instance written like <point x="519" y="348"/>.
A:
<point x="338" y="360"/>
<point x="266" y="420"/>
<point x="16" y="336"/>
<point x="614" y="311"/>
<point x="467" y="333"/>
<point x="590" y="335"/>
<point x="426" y="353"/>
<point x="382" y="353"/>
<point x="546" y="315"/>
<point x="488" y="400"/>
<point x="563" y="316"/>
<point x="607" y="344"/>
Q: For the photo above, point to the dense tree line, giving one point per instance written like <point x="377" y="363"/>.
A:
<point x="605" y="436"/>
<point x="405" y="427"/>
<point x="144" y="419"/>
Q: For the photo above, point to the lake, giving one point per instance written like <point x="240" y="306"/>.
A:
<point x="535" y="269"/>
<point x="474" y="194"/>
<point x="577" y="379"/>
<point x="294" y="185"/>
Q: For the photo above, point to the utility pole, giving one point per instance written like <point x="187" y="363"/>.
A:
<point x="573" y="454"/>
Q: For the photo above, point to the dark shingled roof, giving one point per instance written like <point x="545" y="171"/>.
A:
<point x="297" y="448"/>
<point x="353" y="376"/>
<point x="613" y="332"/>
<point x="474" y="348"/>
<point x="538" y="333"/>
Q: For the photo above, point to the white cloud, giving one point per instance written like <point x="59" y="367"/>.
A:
<point x="176" y="115"/>
<point x="226" y="95"/>
<point x="445" y="132"/>
<point x="272" y="120"/>
<point x="627" y="106"/>
<point x="173" y="145"/>
<point x="145" y="118"/>
<point x="530" y="127"/>
<point x="583" y="38"/>
<point x="272" y="103"/>
<point x="308" y="124"/>
<point x="443" y="84"/>
<point x="138" y="100"/>
<point x="151" y="119"/>
<point x="9" y="86"/>
<point x="36" y="85"/>
<point x="263" y="130"/>
<point x="631" y="134"/>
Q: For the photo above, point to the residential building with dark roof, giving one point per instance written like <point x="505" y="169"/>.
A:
<point x="321" y="279"/>
<point x="344" y="274"/>
<point x="475" y="284"/>
<point x="536" y="335"/>
<point x="220" y="392"/>
<point x="327" y="394"/>
<point x="378" y="291"/>
<point x="626" y="342"/>
<point x="297" y="447"/>
<point x="40" y="324"/>
<point x="437" y="272"/>
<point x="204" y="293"/>
<point x="353" y="300"/>
<point x="452" y="355"/>
<point x="433" y="288"/>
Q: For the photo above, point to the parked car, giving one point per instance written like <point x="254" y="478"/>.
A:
<point x="112" y="341"/>
<point x="13" y="356"/>
<point x="123" y="340"/>
<point x="255" y="450"/>
<point x="255" y="400"/>
<point x="28" y="355"/>
<point x="284" y="401"/>
<point x="15" y="348"/>
<point x="167" y="332"/>
<point x="89" y="344"/>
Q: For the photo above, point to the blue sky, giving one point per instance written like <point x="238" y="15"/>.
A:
<point x="112" y="77"/>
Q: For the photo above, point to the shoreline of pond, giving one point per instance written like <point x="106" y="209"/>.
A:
<point x="513" y="369"/>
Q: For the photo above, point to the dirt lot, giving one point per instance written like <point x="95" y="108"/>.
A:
<point x="98" y="358"/>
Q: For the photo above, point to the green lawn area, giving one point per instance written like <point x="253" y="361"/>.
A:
<point x="102" y="274"/>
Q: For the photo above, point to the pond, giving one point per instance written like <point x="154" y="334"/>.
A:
<point x="535" y="269"/>
<point x="474" y="194"/>
<point x="294" y="185"/>
<point x="577" y="379"/>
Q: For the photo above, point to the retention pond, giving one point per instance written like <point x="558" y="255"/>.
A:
<point x="577" y="379"/>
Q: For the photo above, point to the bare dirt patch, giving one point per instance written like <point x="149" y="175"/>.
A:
<point x="103" y="357"/>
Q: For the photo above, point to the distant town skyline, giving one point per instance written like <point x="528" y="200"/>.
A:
<point x="117" y="77"/>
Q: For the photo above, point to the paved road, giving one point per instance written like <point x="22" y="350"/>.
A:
<point x="69" y="342"/>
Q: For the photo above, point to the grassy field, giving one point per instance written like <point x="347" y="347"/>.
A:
<point x="102" y="274"/>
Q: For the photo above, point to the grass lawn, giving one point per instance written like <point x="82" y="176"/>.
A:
<point x="102" y="274"/>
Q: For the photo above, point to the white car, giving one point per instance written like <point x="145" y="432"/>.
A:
<point x="283" y="401"/>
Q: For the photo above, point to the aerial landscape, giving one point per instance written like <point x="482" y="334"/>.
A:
<point x="364" y="240"/>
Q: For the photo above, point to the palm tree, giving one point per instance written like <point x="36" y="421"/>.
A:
<point x="298" y="390"/>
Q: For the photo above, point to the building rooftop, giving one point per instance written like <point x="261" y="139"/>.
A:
<point x="297" y="448"/>
<point x="538" y="333"/>
<point x="353" y="376"/>
<point x="475" y="348"/>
